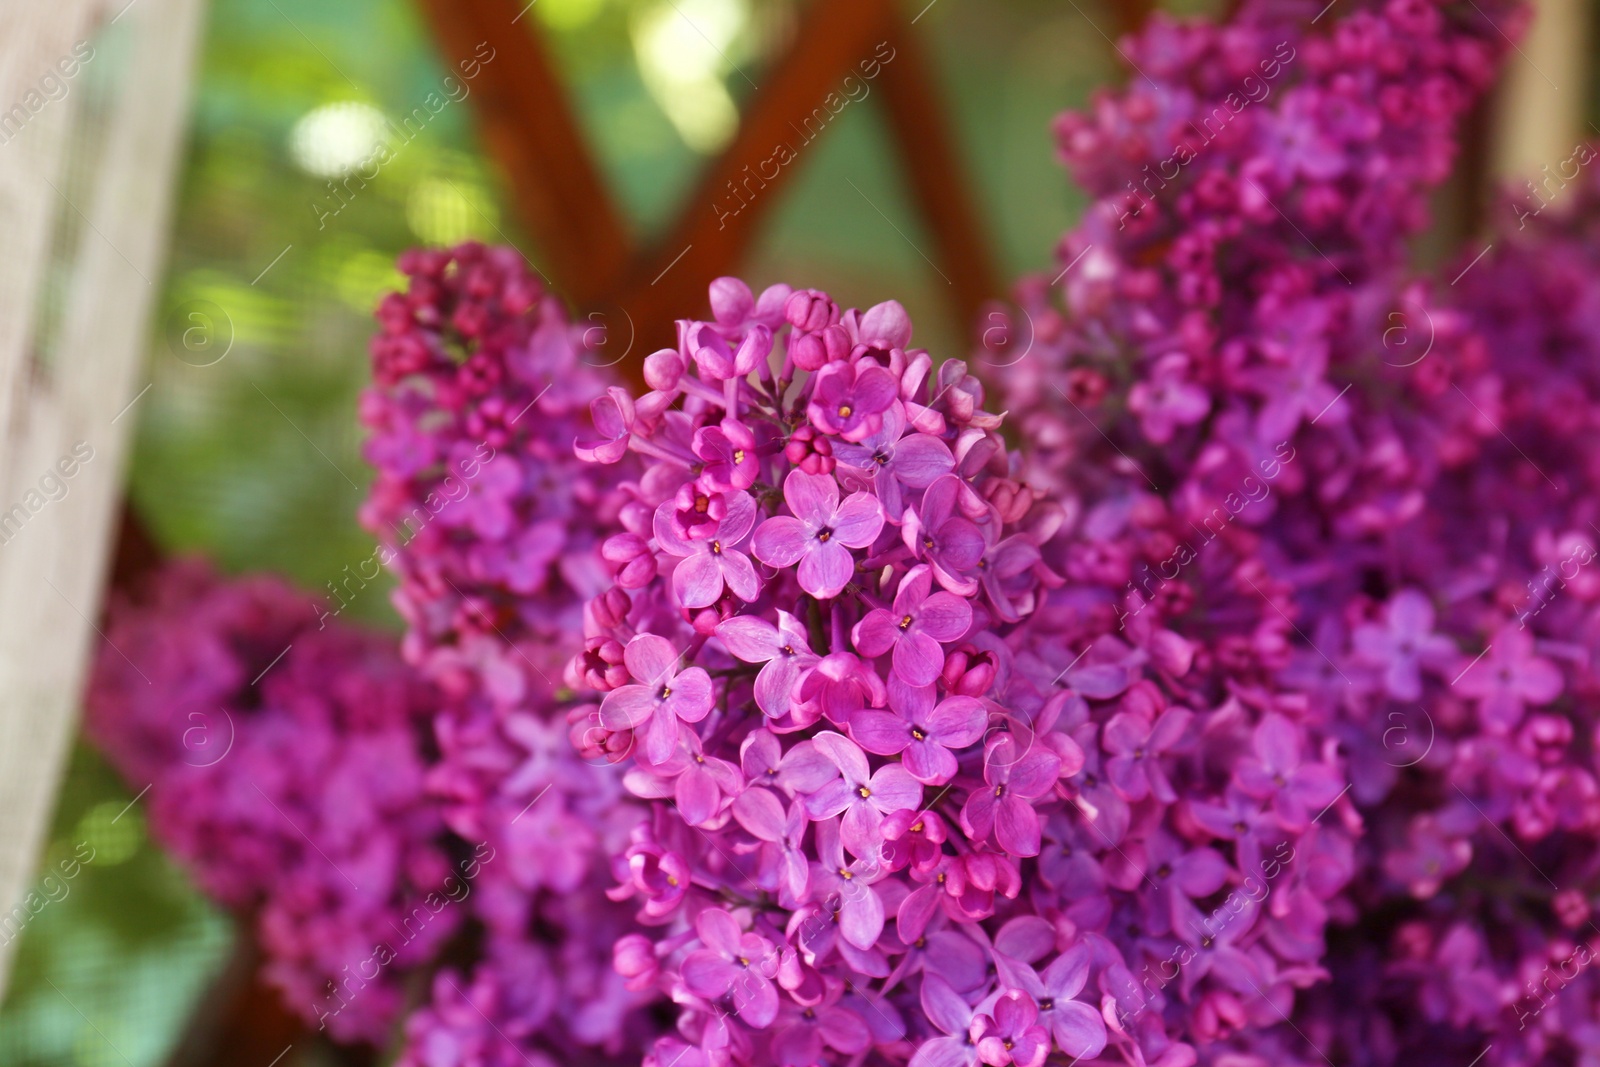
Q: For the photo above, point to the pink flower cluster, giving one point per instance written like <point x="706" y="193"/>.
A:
<point x="805" y="727"/>
<point x="494" y="527"/>
<point x="913" y="794"/>
<point x="1253" y="189"/>
<point x="284" y="769"/>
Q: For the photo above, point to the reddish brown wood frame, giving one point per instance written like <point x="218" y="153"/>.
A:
<point x="526" y="122"/>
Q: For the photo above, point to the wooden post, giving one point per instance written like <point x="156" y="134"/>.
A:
<point x="53" y="552"/>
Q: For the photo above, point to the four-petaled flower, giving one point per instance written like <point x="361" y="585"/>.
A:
<point x="711" y="562"/>
<point x="1404" y="644"/>
<point x="729" y="451"/>
<point x="1011" y="1035"/>
<point x="942" y="537"/>
<point x="1510" y="677"/>
<point x="783" y="649"/>
<point x="819" y="532"/>
<point x="1274" y="771"/>
<point x="920" y="620"/>
<point x="664" y="696"/>
<point x="849" y="399"/>
<point x="922" y="734"/>
<point x="733" y="963"/>
<point x="863" y="796"/>
<point x="1013" y="776"/>
<point x="897" y="462"/>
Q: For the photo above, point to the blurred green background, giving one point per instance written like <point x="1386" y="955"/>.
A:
<point x="254" y="459"/>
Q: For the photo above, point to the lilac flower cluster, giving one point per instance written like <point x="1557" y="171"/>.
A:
<point x="1226" y="255"/>
<point x="494" y="528"/>
<point x="285" y="770"/>
<point x="1429" y="532"/>
<point x="912" y="793"/>
<point x="807" y="728"/>
<point x="1471" y="726"/>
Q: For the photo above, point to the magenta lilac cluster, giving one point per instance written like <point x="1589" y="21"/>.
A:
<point x="1470" y="709"/>
<point x="284" y="767"/>
<point x="801" y="663"/>
<point x="1413" y="504"/>
<point x="1252" y="192"/>
<point x="494" y="527"/>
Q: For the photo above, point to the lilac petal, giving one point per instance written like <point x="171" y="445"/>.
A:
<point x="944" y="1052"/>
<point x="920" y="458"/>
<point x="1034" y="774"/>
<point x="761" y="813"/>
<point x="959" y="959"/>
<point x="944" y="1007"/>
<point x="1079" y="1030"/>
<point x="804" y="769"/>
<point x="753" y="350"/>
<point x="893" y="789"/>
<point x="916" y="910"/>
<point x="775" y="686"/>
<point x="666" y="532"/>
<point x="1410" y="613"/>
<point x="1277" y="743"/>
<point x="1030" y="1047"/>
<point x="918" y="659"/>
<point x="812" y="498"/>
<point x="760" y="752"/>
<point x="945" y="617"/>
<point x="929" y="762"/>
<point x="1125" y="734"/>
<point x="661" y="738"/>
<point x="739" y="519"/>
<point x="1016" y="826"/>
<point x="780" y="541"/>
<point x="939" y="502"/>
<point x="626" y="708"/>
<point x="958" y="721"/>
<point x="843" y="1030"/>
<point x="876" y="633"/>
<point x="875" y="389"/>
<point x="691" y="697"/>
<point x="960" y="544"/>
<point x="731" y="301"/>
<point x="978" y="812"/>
<point x="650" y="658"/>
<point x="697" y="796"/>
<point x="861" y="917"/>
<point x="708" y="974"/>
<point x="1068" y="972"/>
<point x="914" y="589"/>
<point x="1169" y="728"/>
<point x="1128" y="777"/>
<point x="740" y="574"/>
<point x="880" y="732"/>
<point x="845" y="754"/>
<point x="825" y="570"/>
<point x="994" y="1051"/>
<point x="719" y="931"/>
<point x="1201" y="872"/>
<point x="1027" y="938"/>
<point x="751" y="639"/>
<point x="755" y="1000"/>
<point x="861" y="829"/>
<point x="830" y="800"/>
<point x="1539" y="681"/>
<point x="697" y="580"/>
<point x="858" y="520"/>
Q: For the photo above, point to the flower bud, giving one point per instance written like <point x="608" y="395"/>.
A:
<point x="810" y="310"/>
<point x="662" y="369"/>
